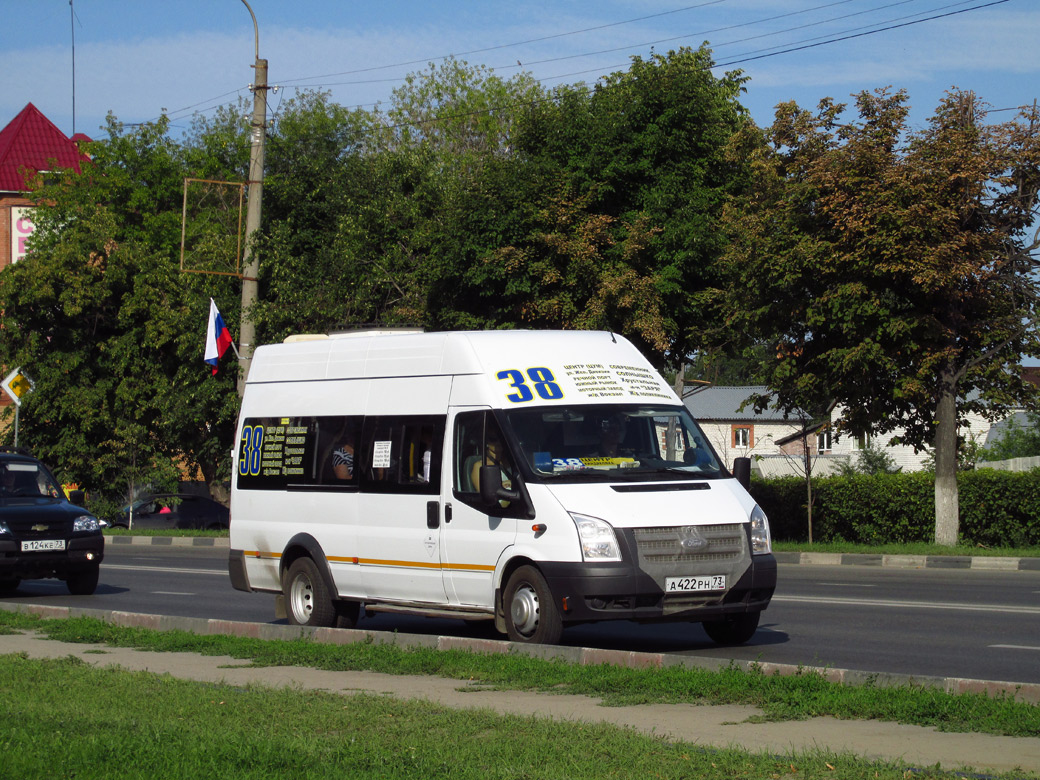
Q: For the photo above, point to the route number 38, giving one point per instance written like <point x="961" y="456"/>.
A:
<point x="541" y="379"/>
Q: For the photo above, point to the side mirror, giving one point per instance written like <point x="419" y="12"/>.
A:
<point x="76" y="497"/>
<point x="491" y="490"/>
<point x="742" y="472"/>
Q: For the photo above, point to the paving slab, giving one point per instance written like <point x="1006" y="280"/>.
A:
<point x="703" y="725"/>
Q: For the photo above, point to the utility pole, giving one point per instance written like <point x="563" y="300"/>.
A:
<point x="251" y="269"/>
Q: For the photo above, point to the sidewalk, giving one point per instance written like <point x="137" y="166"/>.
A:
<point x="708" y="726"/>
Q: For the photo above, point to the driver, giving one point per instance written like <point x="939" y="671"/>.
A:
<point x="611" y="435"/>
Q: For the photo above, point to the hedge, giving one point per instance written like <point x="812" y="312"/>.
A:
<point x="997" y="508"/>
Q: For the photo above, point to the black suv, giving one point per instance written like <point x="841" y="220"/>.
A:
<point x="42" y="534"/>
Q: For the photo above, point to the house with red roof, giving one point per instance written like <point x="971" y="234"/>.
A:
<point x="30" y="145"/>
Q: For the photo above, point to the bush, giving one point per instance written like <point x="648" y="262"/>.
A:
<point x="997" y="508"/>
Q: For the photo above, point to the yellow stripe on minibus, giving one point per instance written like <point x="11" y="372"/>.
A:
<point x="379" y="562"/>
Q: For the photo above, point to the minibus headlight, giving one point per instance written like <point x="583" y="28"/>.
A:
<point x="761" y="541"/>
<point x="598" y="542"/>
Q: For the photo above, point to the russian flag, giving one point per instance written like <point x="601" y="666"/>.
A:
<point x="218" y="337"/>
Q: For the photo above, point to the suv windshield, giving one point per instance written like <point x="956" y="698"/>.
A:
<point x="25" y="479"/>
<point x="612" y="441"/>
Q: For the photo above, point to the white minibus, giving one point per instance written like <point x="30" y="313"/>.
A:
<point x="538" y="479"/>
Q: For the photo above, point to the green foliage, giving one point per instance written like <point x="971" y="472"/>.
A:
<point x="890" y="266"/>
<point x="999" y="508"/>
<point x="472" y="201"/>
<point x="870" y="459"/>
<point x="637" y="167"/>
<point x="1017" y="441"/>
<point x="100" y="317"/>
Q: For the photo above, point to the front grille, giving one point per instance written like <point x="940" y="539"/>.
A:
<point x="724" y="544"/>
<point x="709" y="550"/>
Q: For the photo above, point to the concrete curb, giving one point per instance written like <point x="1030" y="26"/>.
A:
<point x="978" y="562"/>
<point x="169" y="541"/>
<point x="586" y="656"/>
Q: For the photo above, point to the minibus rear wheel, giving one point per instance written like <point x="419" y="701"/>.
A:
<point x="735" y="630"/>
<point x="307" y="600"/>
<point x="531" y="615"/>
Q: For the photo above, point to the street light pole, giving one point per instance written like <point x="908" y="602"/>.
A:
<point x="251" y="265"/>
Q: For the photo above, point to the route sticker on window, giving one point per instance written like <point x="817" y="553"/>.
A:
<point x="381" y="454"/>
<point x="566" y="464"/>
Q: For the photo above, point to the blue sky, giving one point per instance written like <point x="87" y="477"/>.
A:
<point x="135" y="58"/>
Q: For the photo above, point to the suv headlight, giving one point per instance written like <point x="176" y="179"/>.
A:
<point x="597" y="539"/>
<point x="85" y="523"/>
<point x="761" y="540"/>
<point x="4" y="530"/>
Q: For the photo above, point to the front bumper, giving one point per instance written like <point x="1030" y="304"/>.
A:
<point x="79" y="553"/>
<point x="621" y="591"/>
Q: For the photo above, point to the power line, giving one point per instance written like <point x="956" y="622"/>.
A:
<point x="890" y="24"/>
<point x="586" y="54"/>
<point x="298" y="81"/>
<point x="862" y="34"/>
<point x="441" y="57"/>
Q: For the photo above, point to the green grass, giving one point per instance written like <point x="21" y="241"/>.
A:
<point x="164" y="532"/>
<point x="64" y="718"/>
<point x="779" y="697"/>
<point x="912" y="548"/>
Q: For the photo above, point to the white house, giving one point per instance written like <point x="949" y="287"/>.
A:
<point x="765" y="437"/>
<point x="771" y="440"/>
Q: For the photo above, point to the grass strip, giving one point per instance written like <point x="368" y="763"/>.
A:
<point x="65" y="718"/>
<point x="176" y="532"/>
<point x="791" y="697"/>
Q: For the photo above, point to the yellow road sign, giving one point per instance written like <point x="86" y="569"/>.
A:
<point x="17" y="384"/>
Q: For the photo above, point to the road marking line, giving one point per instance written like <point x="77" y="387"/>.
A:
<point x="847" y="585"/>
<point x="171" y="593"/>
<point x="909" y="604"/>
<point x="222" y="572"/>
<point x="1015" y="647"/>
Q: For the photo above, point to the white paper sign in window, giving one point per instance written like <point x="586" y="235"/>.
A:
<point x="381" y="455"/>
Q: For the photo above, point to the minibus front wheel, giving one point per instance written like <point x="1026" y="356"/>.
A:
<point x="307" y="599"/>
<point x="733" y="630"/>
<point x="531" y="615"/>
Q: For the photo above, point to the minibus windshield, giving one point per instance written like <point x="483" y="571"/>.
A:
<point x="612" y="441"/>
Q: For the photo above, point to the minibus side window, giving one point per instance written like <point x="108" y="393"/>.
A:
<point x="478" y="441"/>
<point x="298" y="453"/>
<point x="339" y="445"/>
<point x="402" y="454"/>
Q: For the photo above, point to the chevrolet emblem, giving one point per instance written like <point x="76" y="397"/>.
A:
<point x="40" y="527"/>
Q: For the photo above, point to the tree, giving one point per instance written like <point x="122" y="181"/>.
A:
<point x="109" y="329"/>
<point x="643" y="154"/>
<point x="891" y="267"/>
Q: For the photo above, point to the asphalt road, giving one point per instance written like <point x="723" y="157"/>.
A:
<point x="945" y="622"/>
